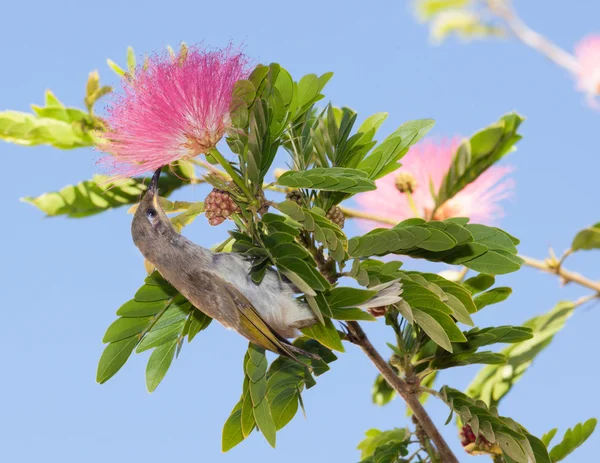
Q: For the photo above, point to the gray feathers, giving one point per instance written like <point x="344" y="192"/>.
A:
<point x="273" y="299"/>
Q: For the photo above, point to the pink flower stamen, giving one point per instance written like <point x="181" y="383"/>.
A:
<point x="171" y="109"/>
<point x="428" y="162"/>
<point x="587" y="52"/>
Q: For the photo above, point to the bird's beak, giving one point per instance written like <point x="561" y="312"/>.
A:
<point x="153" y="187"/>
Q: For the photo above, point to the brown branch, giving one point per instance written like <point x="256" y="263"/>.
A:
<point x="357" y="336"/>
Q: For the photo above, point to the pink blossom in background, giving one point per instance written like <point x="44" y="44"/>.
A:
<point x="587" y="52"/>
<point x="173" y="109"/>
<point x="431" y="160"/>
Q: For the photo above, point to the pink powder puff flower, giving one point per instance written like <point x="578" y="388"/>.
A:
<point x="587" y="52"/>
<point x="428" y="162"/>
<point x="171" y="109"/>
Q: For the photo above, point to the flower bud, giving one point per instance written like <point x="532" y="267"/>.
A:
<point x="218" y="206"/>
<point x="405" y="182"/>
<point x="336" y="215"/>
<point x="294" y="196"/>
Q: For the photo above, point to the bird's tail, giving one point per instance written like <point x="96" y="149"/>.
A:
<point x="387" y="293"/>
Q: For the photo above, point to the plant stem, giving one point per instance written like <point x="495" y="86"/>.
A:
<point x="411" y="203"/>
<point x="584" y="299"/>
<point x="239" y="181"/>
<point x="358" y="337"/>
<point x="504" y="10"/>
<point x="410" y="458"/>
<point x="356" y="214"/>
<point x="433" y="392"/>
<point x="208" y="166"/>
<point x="567" y="275"/>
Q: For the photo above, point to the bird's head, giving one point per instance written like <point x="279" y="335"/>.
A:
<point x="150" y="223"/>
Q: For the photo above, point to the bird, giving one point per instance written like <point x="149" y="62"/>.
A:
<point x="219" y="283"/>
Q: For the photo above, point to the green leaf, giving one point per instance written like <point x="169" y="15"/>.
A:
<point x="287" y="378"/>
<point x="248" y="421"/>
<point x="341" y="297"/>
<point x="123" y="328"/>
<point x="326" y="334"/>
<point x="232" y="430"/>
<point x="493" y="296"/>
<point x="514" y="440"/>
<point x="547" y="438"/>
<point x="427" y="9"/>
<point x="130" y="60"/>
<point x="153" y="293"/>
<point x="384" y="158"/>
<point x="50" y="99"/>
<point x="340" y="179"/>
<point x="492" y="383"/>
<point x="375" y="438"/>
<point x="493" y="238"/>
<point x="260" y="148"/>
<point x="351" y="313"/>
<point x="198" y="321"/>
<point x="158" y="364"/>
<point x="326" y="232"/>
<point x="382" y="393"/>
<point x="264" y="421"/>
<point x="433" y="329"/>
<point x="466" y="24"/>
<point x="306" y="272"/>
<point x="465" y="353"/>
<point x="308" y="89"/>
<point x="372" y="123"/>
<point x="134" y="308"/>
<point x="115" y="67"/>
<point x="479" y="283"/>
<point x="468" y="358"/>
<point x="495" y="263"/>
<point x="476" y="155"/>
<point x="55" y="128"/>
<point x="572" y="439"/>
<point x="158" y="337"/>
<point x="284" y="407"/>
<point x="446" y="241"/>
<point x="190" y="214"/>
<point x="114" y="357"/>
<point x="98" y="195"/>
<point x="587" y="239"/>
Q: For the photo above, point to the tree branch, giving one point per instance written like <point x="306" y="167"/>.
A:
<point x="567" y="275"/>
<point x="532" y="39"/>
<point x="357" y="336"/>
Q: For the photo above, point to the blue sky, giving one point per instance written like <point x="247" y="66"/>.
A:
<point x="62" y="280"/>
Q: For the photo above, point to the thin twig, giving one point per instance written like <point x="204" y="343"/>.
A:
<point x="410" y="458"/>
<point x="208" y="166"/>
<point x="358" y="337"/>
<point x="504" y="10"/>
<point x="584" y="299"/>
<point x="356" y="214"/>
<point x="433" y="392"/>
<point x="567" y="275"/>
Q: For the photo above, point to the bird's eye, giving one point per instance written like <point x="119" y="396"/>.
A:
<point x="151" y="213"/>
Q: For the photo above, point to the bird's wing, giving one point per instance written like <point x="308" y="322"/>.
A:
<point x="250" y="320"/>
